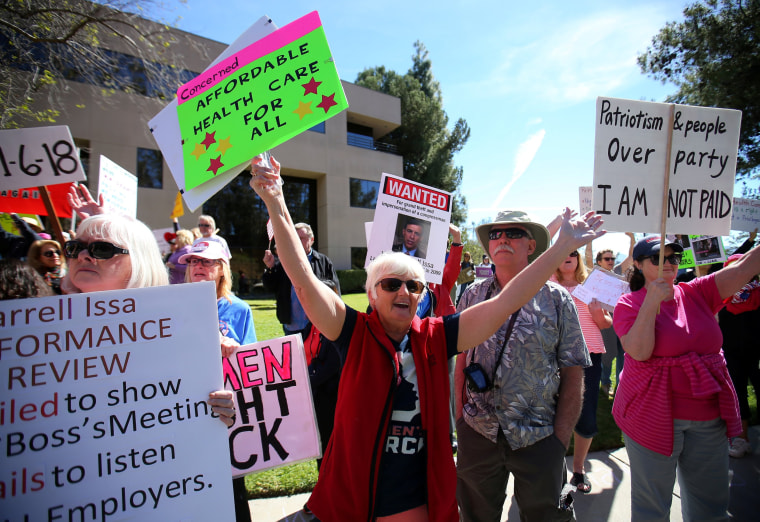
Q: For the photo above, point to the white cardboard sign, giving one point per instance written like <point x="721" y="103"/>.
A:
<point x="118" y="187"/>
<point x="104" y="413"/>
<point x="585" y="198"/>
<point x="275" y="422"/>
<point x="38" y="156"/>
<point x="403" y="203"/>
<point x="746" y="214"/>
<point x="604" y="286"/>
<point x="166" y="132"/>
<point x="630" y="166"/>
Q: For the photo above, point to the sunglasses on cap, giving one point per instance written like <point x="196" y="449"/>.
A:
<point x="673" y="259"/>
<point x="511" y="233"/>
<point x="51" y="253"/>
<point x="391" y="284"/>
<point x="96" y="249"/>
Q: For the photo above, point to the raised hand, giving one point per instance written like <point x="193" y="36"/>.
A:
<point x="266" y="181"/>
<point x="82" y="203"/>
<point x="577" y="232"/>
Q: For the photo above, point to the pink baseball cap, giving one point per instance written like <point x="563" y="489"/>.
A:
<point x="206" y="250"/>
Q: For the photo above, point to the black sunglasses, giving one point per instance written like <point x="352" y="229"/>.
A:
<point x="96" y="249"/>
<point x="673" y="259"/>
<point x="511" y="233"/>
<point x="391" y="284"/>
<point x="51" y="253"/>
<point x="574" y="253"/>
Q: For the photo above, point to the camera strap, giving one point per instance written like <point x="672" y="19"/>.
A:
<point x="511" y="325"/>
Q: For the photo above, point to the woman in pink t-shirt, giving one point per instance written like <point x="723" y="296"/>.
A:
<point x="675" y="402"/>
<point x="593" y="318"/>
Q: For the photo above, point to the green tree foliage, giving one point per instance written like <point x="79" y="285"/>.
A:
<point x="423" y="139"/>
<point x="45" y="42"/>
<point x="713" y="57"/>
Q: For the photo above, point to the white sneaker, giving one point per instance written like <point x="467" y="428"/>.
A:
<point x="738" y="447"/>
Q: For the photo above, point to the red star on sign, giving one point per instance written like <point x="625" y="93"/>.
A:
<point x="327" y="102"/>
<point x="210" y="140"/>
<point x="311" y="87"/>
<point x="215" y="164"/>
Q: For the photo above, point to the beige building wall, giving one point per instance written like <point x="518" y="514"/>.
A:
<point x="117" y="128"/>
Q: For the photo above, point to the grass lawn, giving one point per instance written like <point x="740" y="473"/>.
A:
<point x="301" y="477"/>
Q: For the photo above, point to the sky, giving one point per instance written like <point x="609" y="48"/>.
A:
<point x="525" y="78"/>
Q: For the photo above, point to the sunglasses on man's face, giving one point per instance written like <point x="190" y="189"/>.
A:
<point x="391" y="284"/>
<point x="96" y="249"/>
<point x="51" y="253"/>
<point x="608" y="259"/>
<point x="203" y="225"/>
<point x="673" y="259"/>
<point x="511" y="233"/>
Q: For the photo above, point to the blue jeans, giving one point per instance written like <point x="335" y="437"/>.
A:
<point x="586" y="425"/>
<point x="700" y="459"/>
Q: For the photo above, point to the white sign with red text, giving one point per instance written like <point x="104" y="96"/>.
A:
<point x="411" y="218"/>
<point x="104" y="412"/>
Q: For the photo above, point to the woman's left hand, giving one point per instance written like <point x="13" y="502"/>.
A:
<point x="223" y="404"/>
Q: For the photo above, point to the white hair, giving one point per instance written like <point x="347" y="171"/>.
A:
<point x="145" y="258"/>
<point x="393" y="263"/>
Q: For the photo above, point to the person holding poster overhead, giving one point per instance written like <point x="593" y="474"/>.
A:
<point x="675" y="402"/>
<point x="389" y="457"/>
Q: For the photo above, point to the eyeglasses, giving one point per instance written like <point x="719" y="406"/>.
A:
<point x="608" y="259"/>
<point x="96" y="249"/>
<point x="51" y="253"/>
<point x="208" y="263"/>
<point x="203" y="225"/>
<point x="391" y="284"/>
<point x="574" y="254"/>
<point x="511" y="233"/>
<point x="673" y="259"/>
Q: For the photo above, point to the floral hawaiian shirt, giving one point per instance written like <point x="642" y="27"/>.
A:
<point x="546" y="337"/>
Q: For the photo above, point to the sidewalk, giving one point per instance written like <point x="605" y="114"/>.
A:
<point x="609" y="500"/>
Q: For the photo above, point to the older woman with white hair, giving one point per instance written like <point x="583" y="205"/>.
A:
<point x="113" y="252"/>
<point x="389" y="457"/>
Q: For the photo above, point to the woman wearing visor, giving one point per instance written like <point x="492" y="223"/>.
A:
<point x="675" y="402"/>
<point x="389" y="457"/>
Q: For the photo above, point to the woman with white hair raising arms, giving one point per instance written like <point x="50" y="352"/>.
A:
<point x="389" y="457"/>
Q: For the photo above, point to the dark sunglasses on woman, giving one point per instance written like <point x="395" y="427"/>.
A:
<point x="391" y="284"/>
<point x="51" y="253"/>
<point x="96" y="249"/>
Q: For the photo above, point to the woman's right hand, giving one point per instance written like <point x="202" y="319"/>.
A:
<point x="660" y="290"/>
<point x="266" y="182"/>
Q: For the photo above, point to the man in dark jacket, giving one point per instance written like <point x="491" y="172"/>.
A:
<point x="289" y="310"/>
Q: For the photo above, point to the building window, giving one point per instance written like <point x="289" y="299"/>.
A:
<point x="150" y="168"/>
<point x="319" y="127"/>
<point x="364" y="193"/>
<point x="358" y="257"/>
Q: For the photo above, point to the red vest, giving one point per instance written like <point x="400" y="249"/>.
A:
<point x="347" y="485"/>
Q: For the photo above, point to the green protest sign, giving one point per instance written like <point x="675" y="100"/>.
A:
<point x="256" y="99"/>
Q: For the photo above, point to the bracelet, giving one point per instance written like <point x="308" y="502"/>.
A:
<point x="456" y="244"/>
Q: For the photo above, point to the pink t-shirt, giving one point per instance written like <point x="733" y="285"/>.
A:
<point x="685" y="324"/>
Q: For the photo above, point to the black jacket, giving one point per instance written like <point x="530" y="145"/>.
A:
<point x="276" y="280"/>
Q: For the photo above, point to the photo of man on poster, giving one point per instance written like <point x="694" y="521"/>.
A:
<point x="411" y="236"/>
